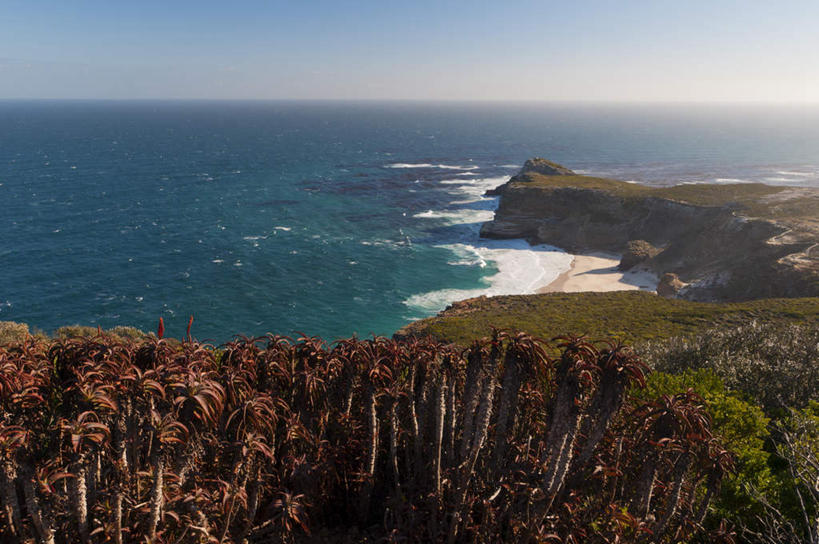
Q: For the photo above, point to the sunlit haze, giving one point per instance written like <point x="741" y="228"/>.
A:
<point x="428" y="50"/>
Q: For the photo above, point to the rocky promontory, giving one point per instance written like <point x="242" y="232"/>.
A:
<point x="723" y="242"/>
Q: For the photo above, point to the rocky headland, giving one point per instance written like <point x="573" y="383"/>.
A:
<point x="707" y="242"/>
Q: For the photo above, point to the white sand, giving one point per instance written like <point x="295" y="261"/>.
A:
<point x="598" y="272"/>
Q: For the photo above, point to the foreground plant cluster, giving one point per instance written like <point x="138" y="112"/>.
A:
<point x="269" y="439"/>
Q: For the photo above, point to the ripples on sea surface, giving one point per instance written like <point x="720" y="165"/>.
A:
<point x="326" y="218"/>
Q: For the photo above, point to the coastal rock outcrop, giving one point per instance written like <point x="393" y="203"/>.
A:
<point x="637" y="251"/>
<point x="539" y="165"/>
<point x="727" y="242"/>
<point x="670" y="284"/>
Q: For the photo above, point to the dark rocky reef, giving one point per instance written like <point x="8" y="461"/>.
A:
<point x="724" y="242"/>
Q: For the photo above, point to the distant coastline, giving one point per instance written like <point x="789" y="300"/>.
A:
<point x="718" y="242"/>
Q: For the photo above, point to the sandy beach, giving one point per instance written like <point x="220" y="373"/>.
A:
<point x="598" y="271"/>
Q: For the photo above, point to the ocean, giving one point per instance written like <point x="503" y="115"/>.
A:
<point x="325" y="218"/>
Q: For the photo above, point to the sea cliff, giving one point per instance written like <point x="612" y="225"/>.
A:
<point x="709" y="242"/>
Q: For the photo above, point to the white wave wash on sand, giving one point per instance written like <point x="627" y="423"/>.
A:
<point x="521" y="268"/>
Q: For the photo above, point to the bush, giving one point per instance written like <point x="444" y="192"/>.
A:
<point x="269" y="440"/>
<point x="12" y="332"/>
<point x="743" y="428"/>
<point x="775" y="365"/>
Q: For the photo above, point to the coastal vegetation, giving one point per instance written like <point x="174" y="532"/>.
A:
<point x="107" y="439"/>
<point x="755" y="199"/>
<point x="754" y="364"/>
<point x="631" y="316"/>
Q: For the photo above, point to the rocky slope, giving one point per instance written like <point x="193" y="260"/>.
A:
<point x="723" y="242"/>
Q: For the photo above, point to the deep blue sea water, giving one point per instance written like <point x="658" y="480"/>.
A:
<point x="325" y="218"/>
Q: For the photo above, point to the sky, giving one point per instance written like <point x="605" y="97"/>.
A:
<point x="611" y="51"/>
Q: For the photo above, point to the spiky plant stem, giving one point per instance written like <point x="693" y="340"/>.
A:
<point x="606" y="402"/>
<point x="118" y="514"/>
<point x="712" y="487"/>
<point x="120" y="471"/>
<point x="451" y="419"/>
<point x="372" y="452"/>
<point x="77" y="492"/>
<point x="8" y="494"/>
<point x="416" y="433"/>
<point x="471" y="399"/>
<point x="564" y="419"/>
<point x="673" y="502"/>
<point x="481" y="430"/>
<point x="645" y="486"/>
<point x="394" y="429"/>
<point x="438" y="435"/>
<point x="253" y="497"/>
<point x="506" y="410"/>
<point x="233" y="488"/>
<point x="156" y="498"/>
<point x="40" y="512"/>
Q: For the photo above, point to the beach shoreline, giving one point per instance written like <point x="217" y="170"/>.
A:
<point x="597" y="271"/>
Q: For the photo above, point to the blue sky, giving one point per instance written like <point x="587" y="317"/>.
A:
<point x="453" y="50"/>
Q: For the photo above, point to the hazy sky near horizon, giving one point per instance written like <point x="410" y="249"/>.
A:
<point x="656" y="50"/>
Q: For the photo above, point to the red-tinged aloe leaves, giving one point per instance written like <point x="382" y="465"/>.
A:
<point x="160" y="330"/>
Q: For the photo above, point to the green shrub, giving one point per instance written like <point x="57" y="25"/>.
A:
<point x="742" y="426"/>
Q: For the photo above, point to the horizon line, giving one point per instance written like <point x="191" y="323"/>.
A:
<point x="421" y="100"/>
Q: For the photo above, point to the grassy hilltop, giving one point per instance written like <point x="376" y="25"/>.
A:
<point x="631" y="316"/>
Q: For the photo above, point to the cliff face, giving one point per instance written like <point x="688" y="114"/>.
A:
<point x="714" y="245"/>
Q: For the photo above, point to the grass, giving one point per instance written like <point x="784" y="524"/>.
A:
<point x="630" y="316"/>
<point x="755" y="199"/>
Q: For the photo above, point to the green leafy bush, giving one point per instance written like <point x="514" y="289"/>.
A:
<point x="743" y="428"/>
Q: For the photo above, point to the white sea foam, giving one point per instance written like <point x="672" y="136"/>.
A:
<point x="429" y="165"/>
<point x="779" y="179"/>
<point x="522" y="269"/>
<point x="797" y="174"/>
<point x="458" y="217"/>
<point x="473" y="208"/>
<point x="286" y="229"/>
<point x="476" y="187"/>
<point x="732" y="180"/>
<point x="394" y="244"/>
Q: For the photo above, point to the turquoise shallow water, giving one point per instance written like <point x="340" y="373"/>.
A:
<point x="326" y="218"/>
